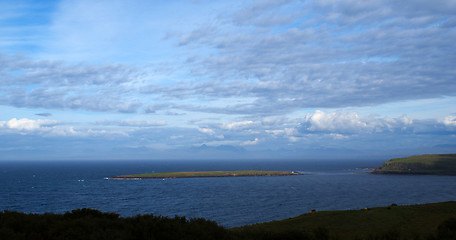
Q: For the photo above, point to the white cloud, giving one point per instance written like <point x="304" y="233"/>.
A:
<point x="65" y="131"/>
<point x="42" y="127"/>
<point x="28" y="124"/>
<point x="206" y="130"/>
<point x="278" y="132"/>
<point x="275" y="132"/>
<point x="352" y="123"/>
<point x="338" y="136"/>
<point x="252" y="142"/>
<point x="237" y="125"/>
<point x="210" y="132"/>
<point x="294" y="139"/>
<point x="450" y="120"/>
<point x="336" y="121"/>
<point x="51" y="128"/>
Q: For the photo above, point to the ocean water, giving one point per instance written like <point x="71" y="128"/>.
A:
<point x="58" y="187"/>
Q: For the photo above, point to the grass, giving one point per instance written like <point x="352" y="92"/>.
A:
<point x="427" y="221"/>
<point x="207" y="174"/>
<point x="405" y="221"/>
<point x="421" y="164"/>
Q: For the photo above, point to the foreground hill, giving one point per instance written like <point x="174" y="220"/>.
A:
<point x="245" y="173"/>
<point x="427" y="221"/>
<point x="441" y="164"/>
<point x="393" y="222"/>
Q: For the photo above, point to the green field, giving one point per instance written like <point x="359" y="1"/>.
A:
<point x="245" y="173"/>
<point x="444" y="164"/>
<point x="393" y="222"/>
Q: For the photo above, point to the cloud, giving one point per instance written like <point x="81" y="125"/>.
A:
<point x="131" y="123"/>
<point x="176" y="137"/>
<point x="352" y="123"/>
<point x="450" y="121"/>
<point x="341" y="122"/>
<point x="153" y="108"/>
<point x="44" y="114"/>
<point x="282" y="56"/>
<point x="196" y="35"/>
<point x="206" y="130"/>
<point x="214" y="136"/>
<point x="53" y="85"/>
<point x="237" y="125"/>
<point x="334" y="54"/>
<point x="323" y="128"/>
<point x="253" y="142"/>
<point x="52" y="128"/>
<point x="264" y="13"/>
<point x="27" y="124"/>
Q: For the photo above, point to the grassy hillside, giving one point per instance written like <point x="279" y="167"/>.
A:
<point x="408" y="222"/>
<point x="207" y="174"/>
<point x="421" y="164"/>
<point x="428" y="221"/>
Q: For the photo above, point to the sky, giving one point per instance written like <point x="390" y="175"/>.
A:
<point x="197" y="79"/>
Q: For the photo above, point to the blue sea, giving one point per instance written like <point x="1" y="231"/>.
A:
<point x="38" y="187"/>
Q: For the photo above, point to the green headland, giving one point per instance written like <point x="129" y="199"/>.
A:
<point x="244" y="173"/>
<point x="438" y="164"/>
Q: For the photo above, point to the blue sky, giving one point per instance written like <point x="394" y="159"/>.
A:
<point x="226" y="79"/>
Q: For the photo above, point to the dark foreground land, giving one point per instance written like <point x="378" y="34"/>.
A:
<point x="427" y="221"/>
<point x="436" y="164"/>
<point x="244" y="173"/>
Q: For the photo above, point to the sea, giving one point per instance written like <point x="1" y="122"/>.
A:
<point x="61" y="186"/>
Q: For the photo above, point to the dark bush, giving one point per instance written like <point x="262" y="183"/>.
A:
<point x="93" y="224"/>
<point x="447" y="229"/>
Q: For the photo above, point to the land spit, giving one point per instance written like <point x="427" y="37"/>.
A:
<point x="244" y="173"/>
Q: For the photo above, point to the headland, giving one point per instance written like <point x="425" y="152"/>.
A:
<point x="435" y="164"/>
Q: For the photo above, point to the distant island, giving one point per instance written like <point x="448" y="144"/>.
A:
<point x="436" y="164"/>
<point x="245" y="173"/>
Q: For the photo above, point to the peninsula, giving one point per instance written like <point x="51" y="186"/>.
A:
<point x="245" y="173"/>
<point x="436" y="164"/>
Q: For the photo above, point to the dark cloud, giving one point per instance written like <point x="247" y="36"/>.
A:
<point x="44" y="114"/>
<point x="153" y="108"/>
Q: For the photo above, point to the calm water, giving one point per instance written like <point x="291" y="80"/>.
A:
<point x="60" y="187"/>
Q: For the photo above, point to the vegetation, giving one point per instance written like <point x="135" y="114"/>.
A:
<point x="427" y="222"/>
<point x="244" y="173"/>
<point x="442" y="164"/>
<point x="394" y="222"/>
<point x="87" y="224"/>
